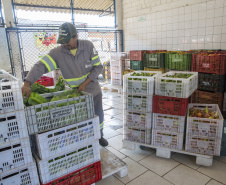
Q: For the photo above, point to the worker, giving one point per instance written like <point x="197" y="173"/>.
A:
<point x="80" y="66"/>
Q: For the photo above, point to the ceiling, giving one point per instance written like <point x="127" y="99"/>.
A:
<point x="90" y="7"/>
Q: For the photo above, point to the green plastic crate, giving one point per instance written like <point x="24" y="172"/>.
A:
<point x="175" y="61"/>
<point x="154" y="60"/>
<point x="136" y="65"/>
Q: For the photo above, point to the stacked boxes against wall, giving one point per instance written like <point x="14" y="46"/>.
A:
<point x="154" y="60"/>
<point x="170" y="102"/>
<point x="138" y="89"/>
<point x="178" y="61"/>
<point x="204" y="129"/>
<point x="16" y="162"/>
<point x="212" y="78"/>
<point x="65" y="139"/>
<point x="136" y="59"/>
<point x="119" y="63"/>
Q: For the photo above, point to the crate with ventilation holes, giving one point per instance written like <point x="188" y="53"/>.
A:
<point x="15" y="154"/>
<point x="10" y="93"/>
<point x="54" y="142"/>
<point x="26" y="174"/>
<point x="62" y="164"/>
<point x="13" y="127"/>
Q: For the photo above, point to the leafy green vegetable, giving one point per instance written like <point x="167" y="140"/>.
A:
<point x="36" y="99"/>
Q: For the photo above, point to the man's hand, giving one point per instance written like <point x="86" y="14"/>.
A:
<point x="82" y="87"/>
<point x="26" y="91"/>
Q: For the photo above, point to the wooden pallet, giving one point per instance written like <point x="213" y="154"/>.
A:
<point x="204" y="160"/>
<point x="113" y="88"/>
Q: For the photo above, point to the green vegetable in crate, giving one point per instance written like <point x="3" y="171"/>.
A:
<point x="59" y="85"/>
<point x="35" y="99"/>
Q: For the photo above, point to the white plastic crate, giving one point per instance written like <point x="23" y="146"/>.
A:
<point x="138" y="102"/>
<point x="137" y="135"/>
<point x="63" y="139"/>
<point x="165" y="139"/>
<point x="197" y="126"/>
<point x="127" y="64"/>
<point x="119" y="55"/>
<point x="203" y="145"/>
<point x="10" y="93"/>
<point x="63" y="164"/>
<point x="176" y="87"/>
<point x="13" y="127"/>
<point x="140" y="84"/>
<point x="169" y="123"/>
<point x="48" y="116"/>
<point x="15" y="154"/>
<point x="26" y="174"/>
<point x="140" y="120"/>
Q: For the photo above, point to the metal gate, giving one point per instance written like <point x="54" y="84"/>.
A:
<point x="35" y="43"/>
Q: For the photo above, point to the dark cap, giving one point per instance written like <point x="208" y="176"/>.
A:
<point x="66" y="32"/>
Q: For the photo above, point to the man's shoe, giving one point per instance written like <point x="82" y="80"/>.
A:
<point x="103" y="142"/>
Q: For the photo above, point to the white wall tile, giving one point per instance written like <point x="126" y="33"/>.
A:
<point x="209" y="30"/>
<point x="218" y="21"/>
<point x="219" y="12"/>
<point x="216" y="38"/>
<point x="217" y="30"/>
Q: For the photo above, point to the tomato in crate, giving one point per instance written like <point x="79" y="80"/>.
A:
<point x="46" y="81"/>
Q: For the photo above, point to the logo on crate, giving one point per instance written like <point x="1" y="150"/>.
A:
<point x="206" y="65"/>
<point x="153" y="59"/>
<point x="62" y="113"/>
<point x="176" y="60"/>
<point x="206" y="83"/>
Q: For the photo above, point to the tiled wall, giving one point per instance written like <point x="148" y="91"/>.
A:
<point x="174" y="24"/>
<point x="4" y="53"/>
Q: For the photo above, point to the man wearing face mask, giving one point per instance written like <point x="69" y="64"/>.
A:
<point x="80" y="66"/>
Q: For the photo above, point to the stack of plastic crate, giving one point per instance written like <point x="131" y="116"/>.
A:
<point x="119" y="63"/>
<point x="212" y="72"/>
<point x="65" y="139"/>
<point x="172" y="91"/>
<point x="204" y="135"/>
<point x="154" y="60"/>
<point x="16" y="162"/>
<point x="136" y="59"/>
<point x="180" y="61"/>
<point x="138" y="92"/>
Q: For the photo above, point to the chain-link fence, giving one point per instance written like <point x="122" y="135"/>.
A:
<point x="1" y="15"/>
<point x="50" y="13"/>
<point x="36" y="43"/>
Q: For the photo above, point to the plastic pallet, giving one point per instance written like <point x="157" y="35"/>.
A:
<point x="10" y="93"/>
<point x="139" y="120"/>
<point x="60" y="140"/>
<point x="15" y="154"/>
<point x="176" y="87"/>
<point x="211" y="82"/>
<point x="165" y="139"/>
<point x="153" y="69"/>
<point x="26" y="174"/>
<point x="84" y="176"/>
<point x="136" y="55"/>
<point x="170" y="123"/>
<point x="209" y="64"/>
<point x="63" y="164"/>
<point x="204" y="126"/>
<point x="138" y="102"/>
<point x="47" y="116"/>
<point x="203" y="145"/>
<point x="207" y="97"/>
<point x="176" y="61"/>
<point x="137" y="135"/>
<point x="154" y="60"/>
<point x="140" y="84"/>
<point x="46" y="81"/>
<point x="170" y="105"/>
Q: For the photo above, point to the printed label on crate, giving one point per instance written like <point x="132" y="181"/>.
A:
<point x="204" y="96"/>
<point x="153" y="59"/>
<point x="176" y="60"/>
<point x="62" y="113"/>
<point x="206" y="65"/>
<point x="206" y="83"/>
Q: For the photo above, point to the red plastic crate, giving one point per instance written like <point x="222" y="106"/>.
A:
<point x="206" y="63"/>
<point x="136" y="55"/>
<point x="46" y="81"/>
<point x="84" y="176"/>
<point x="170" y="105"/>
